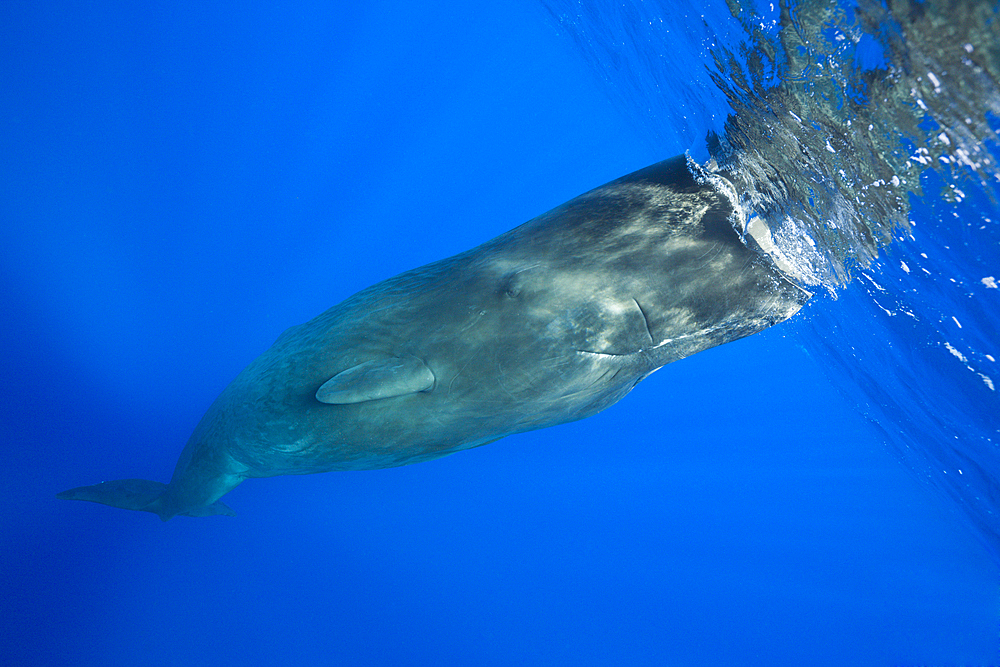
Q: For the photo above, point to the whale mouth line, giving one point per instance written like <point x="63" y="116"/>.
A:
<point x="665" y="341"/>
<point x="649" y="334"/>
<point x="610" y="354"/>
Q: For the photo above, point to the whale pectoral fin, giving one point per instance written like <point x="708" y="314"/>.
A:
<point x="375" y="379"/>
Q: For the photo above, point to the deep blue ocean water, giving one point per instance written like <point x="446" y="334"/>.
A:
<point x="180" y="183"/>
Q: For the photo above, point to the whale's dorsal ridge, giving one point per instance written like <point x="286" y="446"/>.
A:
<point x="377" y="378"/>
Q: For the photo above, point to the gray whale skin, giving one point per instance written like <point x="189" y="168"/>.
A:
<point x="551" y="322"/>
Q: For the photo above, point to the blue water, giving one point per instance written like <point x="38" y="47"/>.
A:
<point x="179" y="184"/>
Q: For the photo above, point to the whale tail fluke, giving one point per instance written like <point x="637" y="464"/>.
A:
<point x="137" y="494"/>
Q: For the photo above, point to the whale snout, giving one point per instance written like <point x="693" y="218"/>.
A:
<point x="788" y="299"/>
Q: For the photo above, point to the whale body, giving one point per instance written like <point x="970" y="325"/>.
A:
<point x="551" y="322"/>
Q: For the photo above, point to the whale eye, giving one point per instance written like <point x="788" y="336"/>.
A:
<point x="510" y="286"/>
<point x="519" y="283"/>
